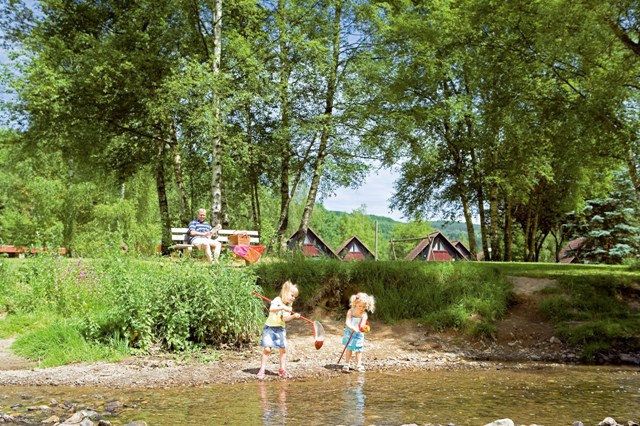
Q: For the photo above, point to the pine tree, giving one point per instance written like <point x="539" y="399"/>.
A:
<point x="611" y="226"/>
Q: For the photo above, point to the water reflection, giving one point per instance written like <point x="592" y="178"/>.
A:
<point x="354" y="400"/>
<point x="273" y="401"/>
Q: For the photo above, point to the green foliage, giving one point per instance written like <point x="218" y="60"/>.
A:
<point x="461" y="295"/>
<point x="591" y="312"/>
<point x="103" y="306"/>
<point x="610" y="226"/>
<point x="180" y="305"/>
<point x="16" y="323"/>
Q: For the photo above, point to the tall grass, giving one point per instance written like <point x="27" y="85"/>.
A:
<point x="62" y="343"/>
<point x="116" y="301"/>
<point x="462" y="295"/>
<point x="593" y="313"/>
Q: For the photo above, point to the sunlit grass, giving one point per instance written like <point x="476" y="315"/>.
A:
<point x="62" y="343"/>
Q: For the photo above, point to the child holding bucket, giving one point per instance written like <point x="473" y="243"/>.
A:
<point x="356" y="324"/>
<point x="274" y="334"/>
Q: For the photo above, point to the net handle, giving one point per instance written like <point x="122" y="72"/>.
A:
<point x="269" y="300"/>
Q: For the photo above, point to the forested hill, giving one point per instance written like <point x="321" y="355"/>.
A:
<point x="455" y="231"/>
<point x="452" y="230"/>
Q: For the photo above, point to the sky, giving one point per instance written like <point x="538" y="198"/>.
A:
<point x="375" y="193"/>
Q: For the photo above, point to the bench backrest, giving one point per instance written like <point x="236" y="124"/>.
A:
<point x="177" y="235"/>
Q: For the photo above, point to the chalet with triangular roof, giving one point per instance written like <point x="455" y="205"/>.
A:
<point x="313" y="246"/>
<point x="462" y="249"/>
<point x="354" y="249"/>
<point x="435" y="247"/>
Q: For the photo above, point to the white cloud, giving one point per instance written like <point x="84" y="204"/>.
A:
<point x="375" y="193"/>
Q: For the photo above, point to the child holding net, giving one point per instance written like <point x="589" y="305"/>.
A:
<point x="355" y="325"/>
<point x="274" y="334"/>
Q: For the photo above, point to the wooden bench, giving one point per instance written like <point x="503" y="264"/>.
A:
<point x="20" y="252"/>
<point x="177" y="237"/>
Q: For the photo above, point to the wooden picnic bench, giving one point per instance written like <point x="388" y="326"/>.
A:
<point x="224" y="236"/>
<point x="21" y="251"/>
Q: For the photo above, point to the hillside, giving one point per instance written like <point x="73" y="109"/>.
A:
<point x="454" y="231"/>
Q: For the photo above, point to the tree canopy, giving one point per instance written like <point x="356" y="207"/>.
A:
<point x="510" y="115"/>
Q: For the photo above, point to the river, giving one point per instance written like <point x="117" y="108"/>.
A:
<point x="528" y="394"/>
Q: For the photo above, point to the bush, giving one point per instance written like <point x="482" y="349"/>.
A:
<point x="178" y="305"/>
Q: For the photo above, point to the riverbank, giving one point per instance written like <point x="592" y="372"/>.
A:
<point x="522" y="336"/>
<point x="406" y="346"/>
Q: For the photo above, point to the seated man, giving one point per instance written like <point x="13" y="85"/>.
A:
<point x="204" y="236"/>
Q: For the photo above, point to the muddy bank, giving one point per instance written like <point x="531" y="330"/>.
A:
<point x="405" y="346"/>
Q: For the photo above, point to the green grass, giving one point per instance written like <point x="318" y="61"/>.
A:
<point x="15" y="324"/>
<point x="466" y="296"/>
<point x="557" y="270"/>
<point x="62" y="343"/>
<point x="593" y="312"/>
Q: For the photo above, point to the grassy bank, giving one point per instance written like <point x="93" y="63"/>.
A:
<point x="594" y="307"/>
<point x="66" y="310"/>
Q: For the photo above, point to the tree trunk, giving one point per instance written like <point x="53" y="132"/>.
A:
<point x="279" y="241"/>
<point x="633" y="172"/>
<point x="508" y="230"/>
<point x="185" y="210"/>
<point x="471" y="231"/>
<point x="484" y="232"/>
<point x="332" y="84"/>
<point x="539" y="244"/>
<point x="163" y="204"/>
<point x="69" y="220"/>
<point x="254" y="173"/>
<point x="531" y="228"/>
<point x="216" y="143"/>
<point x="494" y="218"/>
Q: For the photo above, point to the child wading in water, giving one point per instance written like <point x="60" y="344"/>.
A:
<point x="274" y="334"/>
<point x="357" y="323"/>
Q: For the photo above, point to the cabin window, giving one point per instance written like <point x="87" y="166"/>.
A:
<point x="307" y="240"/>
<point x="354" y="249"/>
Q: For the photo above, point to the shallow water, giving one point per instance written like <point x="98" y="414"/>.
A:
<point x="545" y="395"/>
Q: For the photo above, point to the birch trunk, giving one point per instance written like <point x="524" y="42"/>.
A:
<point x="332" y="84"/>
<point x="216" y="143"/>
<point x="185" y="211"/>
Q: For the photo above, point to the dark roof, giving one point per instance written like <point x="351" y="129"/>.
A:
<point x="462" y="249"/>
<point x="359" y="256"/>
<point x="426" y="244"/>
<point x="568" y="254"/>
<point x="319" y="247"/>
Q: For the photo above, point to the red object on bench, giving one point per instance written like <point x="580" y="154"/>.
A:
<point x="249" y="253"/>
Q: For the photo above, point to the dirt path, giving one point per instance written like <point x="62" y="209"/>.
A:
<point x="522" y="336"/>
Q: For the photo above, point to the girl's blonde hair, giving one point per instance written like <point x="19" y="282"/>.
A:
<point x="368" y="300"/>
<point x="288" y="286"/>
